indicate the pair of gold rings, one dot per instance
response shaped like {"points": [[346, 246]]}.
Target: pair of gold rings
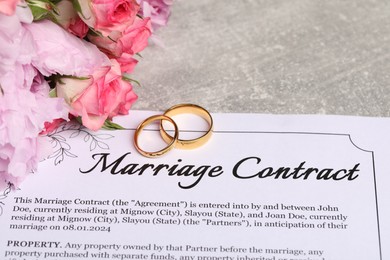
{"points": [[174, 141]]}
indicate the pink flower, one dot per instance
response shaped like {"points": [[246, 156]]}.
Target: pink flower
{"points": [[24, 101], [51, 126], [157, 10], [23, 113], [59, 52], [127, 62], [8, 7], [78, 28], [132, 40], [106, 16], [13, 37], [103, 95], [110, 45], [68, 18], [135, 38]]}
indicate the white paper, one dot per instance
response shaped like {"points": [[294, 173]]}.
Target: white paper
{"points": [[332, 202]]}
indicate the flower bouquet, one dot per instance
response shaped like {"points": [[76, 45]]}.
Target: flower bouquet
{"points": [[62, 60]]}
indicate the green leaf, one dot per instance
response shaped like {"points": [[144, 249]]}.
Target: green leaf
{"points": [[74, 77], [53, 93], [93, 32], [55, 1], [126, 77], [109, 125], [79, 120], [77, 7], [39, 13], [42, 9]]}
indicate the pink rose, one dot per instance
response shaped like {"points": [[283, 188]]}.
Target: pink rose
{"points": [[127, 62], [132, 40], [135, 38], [51, 126], [103, 95], [78, 28], [67, 17], [110, 45], [106, 16], [157, 10], [8, 7]]}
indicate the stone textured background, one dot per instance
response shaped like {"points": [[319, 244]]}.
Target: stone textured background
{"points": [[271, 56]]}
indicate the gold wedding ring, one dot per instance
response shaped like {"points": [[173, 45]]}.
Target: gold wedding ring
{"points": [[171, 143], [187, 109]]}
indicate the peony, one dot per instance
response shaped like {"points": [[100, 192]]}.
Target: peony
{"points": [[24, 99], [23, 111], [101, 96], [54, 44], [15, 43], [157, 10], [132, 40], [107, 16]]}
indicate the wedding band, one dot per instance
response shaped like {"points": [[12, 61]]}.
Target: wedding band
{"points": [[188, 109], [171, 143]]}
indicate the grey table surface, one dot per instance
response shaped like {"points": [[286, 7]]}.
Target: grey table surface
{"points": [[271, 56]]}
